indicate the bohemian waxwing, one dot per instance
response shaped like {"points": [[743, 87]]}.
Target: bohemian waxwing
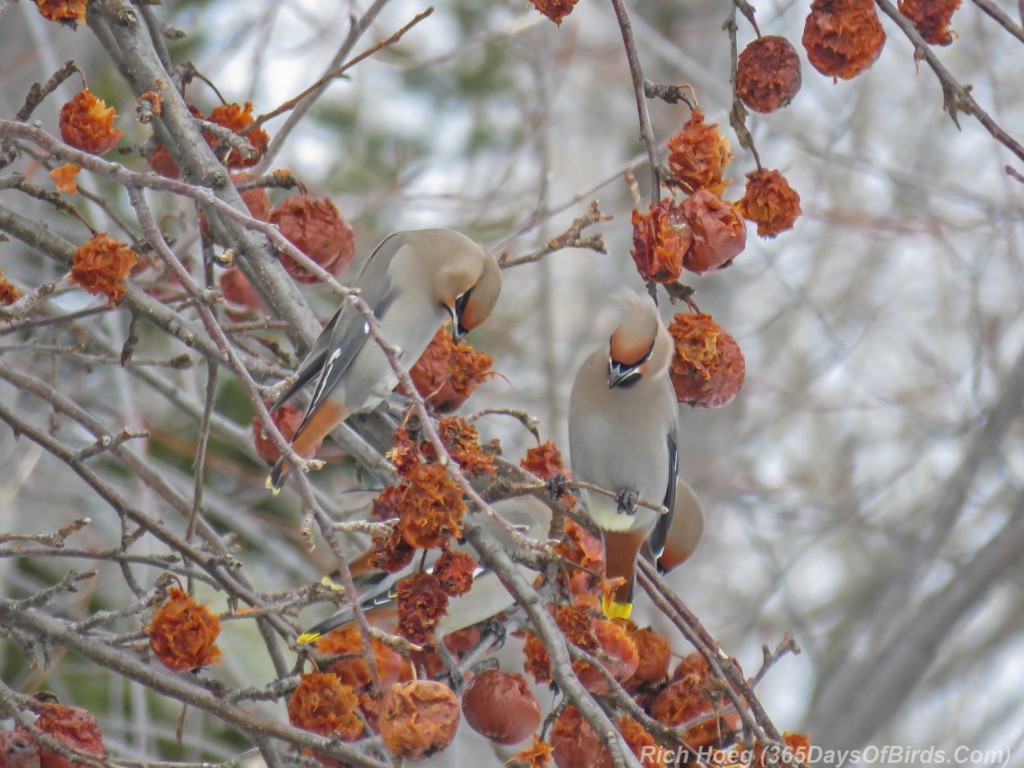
{"points": [[413, 281], [485, 599], [622, 438]]}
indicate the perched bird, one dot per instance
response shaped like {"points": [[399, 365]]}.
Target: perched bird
{"points": [[622, 437], [413, 281], [485, 599]]}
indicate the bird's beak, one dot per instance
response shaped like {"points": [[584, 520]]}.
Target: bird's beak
{"points": [[619, 374], [457, 330]]}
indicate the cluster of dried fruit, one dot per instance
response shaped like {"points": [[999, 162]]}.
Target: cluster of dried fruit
{"points": [[448, 373], [428, 505], [236, 118], [313, 225], [704, 233], [415, 718], [102, 263]]}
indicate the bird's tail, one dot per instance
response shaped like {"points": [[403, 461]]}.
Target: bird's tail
{"points": [[382, 604], [621, 549], [325, 626], [617, 606], [277, 476]]}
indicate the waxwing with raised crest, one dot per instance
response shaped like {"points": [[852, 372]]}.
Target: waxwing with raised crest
{"points": [[622, 438]]}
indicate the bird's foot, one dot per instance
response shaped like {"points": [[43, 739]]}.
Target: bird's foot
{"points": [[495, 627], [626, 499], [557, 485]]}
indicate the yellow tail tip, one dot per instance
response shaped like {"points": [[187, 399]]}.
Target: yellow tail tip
{"points": [[330, 583], [271, 486], [616, 610], [307, 637]]}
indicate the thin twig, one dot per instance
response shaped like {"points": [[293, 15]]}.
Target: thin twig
{"points": [[571, 238], [581, 485], [357, 29], [1000, 16], [639, 90], [738, 112], [737, 689], [338, 72], [956, 98], [55, 539]]}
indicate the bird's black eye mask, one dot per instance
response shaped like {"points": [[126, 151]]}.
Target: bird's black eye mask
{"points": [[625, 376], [460, 307]]}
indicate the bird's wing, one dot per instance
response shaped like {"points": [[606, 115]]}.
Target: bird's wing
{"points": [[312, 365], [659, 535], [348, 330]]}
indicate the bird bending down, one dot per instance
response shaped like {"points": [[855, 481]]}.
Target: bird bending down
{"points": [[486, 598], [622, 437], [413, 281]]}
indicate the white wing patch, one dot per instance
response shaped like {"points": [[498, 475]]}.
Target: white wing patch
{"points": [[324, 377]]}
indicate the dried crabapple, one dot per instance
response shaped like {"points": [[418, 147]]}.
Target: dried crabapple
{"points": [[392, 667], [101, 265], [73, 726], [661, 238], [287, 419], [843, 37], [707, 368], [418, 718], [238, 291], [9, 292], [698, 155], [769, 202], [87, 123], [183, 633], [501, 706], [324, 705], [556, 10], [447, 373], [768, 74], [72, 11], [315, 227], [931, 18]]}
